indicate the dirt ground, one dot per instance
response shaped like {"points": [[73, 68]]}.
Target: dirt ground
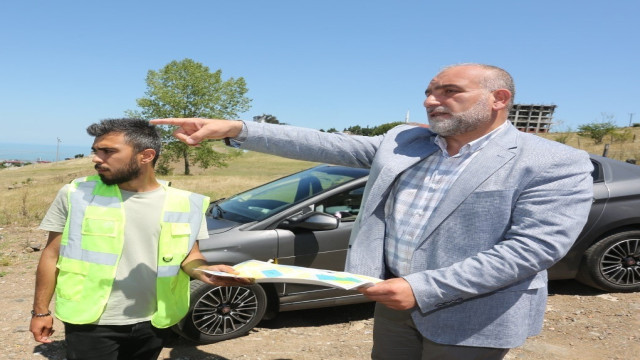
{"points": [[580, 323]]}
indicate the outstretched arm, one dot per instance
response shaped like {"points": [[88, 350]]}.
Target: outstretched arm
{"points": [[281, 140], [192, 131]]}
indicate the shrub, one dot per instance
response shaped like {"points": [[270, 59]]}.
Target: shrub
{"points": [[596, 131]]}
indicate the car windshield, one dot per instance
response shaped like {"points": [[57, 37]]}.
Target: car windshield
{"points": [[268, 199]]}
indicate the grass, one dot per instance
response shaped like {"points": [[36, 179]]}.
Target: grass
{"points": [[628, 148], [244, 171], [28, 191], [4, 261], [239, 176]]}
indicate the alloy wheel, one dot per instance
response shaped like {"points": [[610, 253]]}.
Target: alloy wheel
{"points": [[620, 263], [223, 310]]}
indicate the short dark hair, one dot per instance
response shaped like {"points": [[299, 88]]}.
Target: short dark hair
{"points": [[138, 133]]}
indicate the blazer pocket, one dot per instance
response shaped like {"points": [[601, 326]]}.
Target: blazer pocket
{"points": [[487, 211]]}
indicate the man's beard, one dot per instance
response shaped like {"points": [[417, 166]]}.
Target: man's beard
{"points": [[462, 122], [126, 173]]}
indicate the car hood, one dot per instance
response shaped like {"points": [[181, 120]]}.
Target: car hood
{"points": [[218, 226]]}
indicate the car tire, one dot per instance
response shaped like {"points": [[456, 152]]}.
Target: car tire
{"points": [[613, 263], [218, 313]]}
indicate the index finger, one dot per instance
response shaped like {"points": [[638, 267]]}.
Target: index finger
{"points": [[168, 121]]}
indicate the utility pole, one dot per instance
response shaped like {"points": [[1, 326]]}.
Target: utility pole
{"points": [[58, 149]]}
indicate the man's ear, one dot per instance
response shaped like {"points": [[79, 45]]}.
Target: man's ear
{"points": [[501, 99], [147, 156]]}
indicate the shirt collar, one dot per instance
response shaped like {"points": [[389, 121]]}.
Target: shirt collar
{"points": [[474, 145]]}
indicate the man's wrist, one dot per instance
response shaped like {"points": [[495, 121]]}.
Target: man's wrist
{"points": [[189, 267], [236, 129], [239, 138], [40, 314]]}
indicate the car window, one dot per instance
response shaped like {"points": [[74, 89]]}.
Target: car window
{"points": [[344, 205], [271, 198], [597, 172]]}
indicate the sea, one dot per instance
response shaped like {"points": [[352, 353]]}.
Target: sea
{"points": [[42, 152]]}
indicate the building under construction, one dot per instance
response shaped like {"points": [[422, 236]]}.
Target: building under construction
{"points": [[532, 118]]}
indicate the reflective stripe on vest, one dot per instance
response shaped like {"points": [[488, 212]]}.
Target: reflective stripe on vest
{"points": [[79, 200]]}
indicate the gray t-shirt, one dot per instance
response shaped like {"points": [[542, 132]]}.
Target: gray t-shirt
{"points": [[133, 295]]}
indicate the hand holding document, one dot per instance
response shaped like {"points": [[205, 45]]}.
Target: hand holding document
{"points": [[262, 271]]}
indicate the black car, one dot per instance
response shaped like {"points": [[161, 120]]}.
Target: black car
{"points": [[305, 220]]}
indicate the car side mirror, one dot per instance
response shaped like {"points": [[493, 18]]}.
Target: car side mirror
{"points": [[312, 221]]}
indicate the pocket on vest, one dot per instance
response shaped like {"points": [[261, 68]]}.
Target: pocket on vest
{"points": [[101, 235], [99, 227], [180, 233], [71, 278], [180, 229]]}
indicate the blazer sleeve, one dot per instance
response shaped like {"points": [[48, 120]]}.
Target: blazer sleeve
{"points": [[311, 145]]}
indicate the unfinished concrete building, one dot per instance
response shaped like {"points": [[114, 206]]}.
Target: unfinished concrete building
{"points": [[532, 118]]}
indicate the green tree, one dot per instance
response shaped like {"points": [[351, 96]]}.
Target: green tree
{"points": [[188, 89], [377, 130], [621, 136], [562, 138], [382, 129], [355, 130], [270, 119], [597, 131]]}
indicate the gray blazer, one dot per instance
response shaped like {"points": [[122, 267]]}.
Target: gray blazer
{"points": [[479, 275]]}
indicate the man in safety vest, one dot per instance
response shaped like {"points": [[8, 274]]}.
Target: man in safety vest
{"points": [[121, 250]]}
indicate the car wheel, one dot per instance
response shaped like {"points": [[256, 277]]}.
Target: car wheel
{"points": [[613, 263], [218, 313]]}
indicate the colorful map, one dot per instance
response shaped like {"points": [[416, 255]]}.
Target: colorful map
{"points": [[262, 271]]}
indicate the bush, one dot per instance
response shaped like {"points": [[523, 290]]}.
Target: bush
{"points": [[596, 131], [621, 136], [162, 166], [562, 138]]}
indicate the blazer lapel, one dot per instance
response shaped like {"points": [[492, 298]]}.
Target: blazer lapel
{"points": [[495, 154], [413, 152]]}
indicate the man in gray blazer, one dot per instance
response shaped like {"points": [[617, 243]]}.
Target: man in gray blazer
{"points": [[462, 219]]}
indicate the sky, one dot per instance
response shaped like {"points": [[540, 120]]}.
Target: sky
{"points": [[319, 64]]}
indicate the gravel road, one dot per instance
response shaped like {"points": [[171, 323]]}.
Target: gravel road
{"points": [[580, 323]]}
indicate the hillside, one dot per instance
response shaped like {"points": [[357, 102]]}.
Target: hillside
{"points": [[629, 148]]}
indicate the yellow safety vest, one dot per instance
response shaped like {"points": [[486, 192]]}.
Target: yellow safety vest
{"points": [[92, 243]]}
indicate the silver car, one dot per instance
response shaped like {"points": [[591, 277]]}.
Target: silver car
{"points": [[305, 219]]}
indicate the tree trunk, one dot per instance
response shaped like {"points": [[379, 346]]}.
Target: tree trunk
{"points": [[185, 155]]}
